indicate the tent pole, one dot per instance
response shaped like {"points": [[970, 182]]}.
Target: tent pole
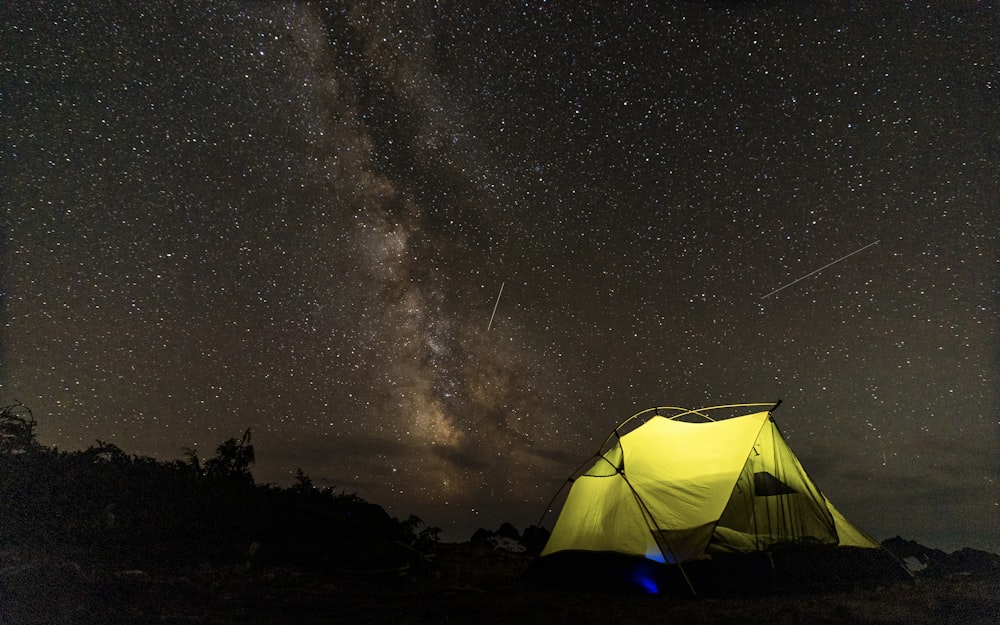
{"points": [[687, 580], [657, 537]]}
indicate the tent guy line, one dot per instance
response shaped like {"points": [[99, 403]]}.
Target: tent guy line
{"points": [[812, 273]]}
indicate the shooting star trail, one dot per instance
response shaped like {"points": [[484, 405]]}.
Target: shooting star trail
{"points": [[813, 273], [490, 325]]}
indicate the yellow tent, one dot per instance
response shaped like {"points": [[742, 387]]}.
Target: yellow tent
{"points": [[672, 491]]}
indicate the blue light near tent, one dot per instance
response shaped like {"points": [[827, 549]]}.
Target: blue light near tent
{"points": [[654, 554], [645, 581]]}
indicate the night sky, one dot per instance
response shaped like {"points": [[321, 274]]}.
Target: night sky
{"points": [[297, 217]]}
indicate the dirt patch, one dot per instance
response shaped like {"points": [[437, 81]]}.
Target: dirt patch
{"points": [[459, 584]]}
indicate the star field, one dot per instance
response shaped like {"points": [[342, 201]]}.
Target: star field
{"points": [[297, 217]]}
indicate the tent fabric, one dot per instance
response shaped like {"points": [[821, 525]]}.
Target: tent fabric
{"points": [[673, 491]]}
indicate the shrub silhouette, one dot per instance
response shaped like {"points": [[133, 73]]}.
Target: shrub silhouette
{"points": [[17, 429], [232, 460], [141, 512]]}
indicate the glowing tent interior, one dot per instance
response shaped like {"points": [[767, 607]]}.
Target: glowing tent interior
{"points": [[674, 491]]}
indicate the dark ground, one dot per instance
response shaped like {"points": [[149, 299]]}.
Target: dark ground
{"points": [[461, 584]]}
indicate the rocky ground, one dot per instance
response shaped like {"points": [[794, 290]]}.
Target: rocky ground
{"points": [[459, 584]]}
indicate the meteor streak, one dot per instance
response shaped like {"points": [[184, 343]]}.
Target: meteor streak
{"points": [[490, 324], [812, 273]]}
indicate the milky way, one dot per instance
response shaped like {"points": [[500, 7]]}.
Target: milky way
{"points": [[298, 217]]}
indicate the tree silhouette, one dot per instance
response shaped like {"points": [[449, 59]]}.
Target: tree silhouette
{"points": [[232, 460], [142, 512], [17, 428]]}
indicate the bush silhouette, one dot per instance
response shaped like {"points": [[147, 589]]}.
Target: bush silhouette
{"points": [[141, 512]]}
